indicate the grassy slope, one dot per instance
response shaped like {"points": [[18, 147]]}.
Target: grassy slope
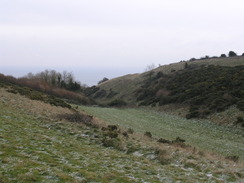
{"points": [[231, 62], [32, 150], [199, 133], [36, 147], [124, 86]]}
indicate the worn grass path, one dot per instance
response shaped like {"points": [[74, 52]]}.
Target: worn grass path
{"points": [[202, 134]]}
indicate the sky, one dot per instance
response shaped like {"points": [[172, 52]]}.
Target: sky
{"points": [[110, 38]]}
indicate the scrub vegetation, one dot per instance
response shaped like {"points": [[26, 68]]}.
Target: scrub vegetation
{"points": [[206, 90]]}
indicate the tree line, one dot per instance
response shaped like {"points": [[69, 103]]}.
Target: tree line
{"points": [[64, 80], [230, 54]]}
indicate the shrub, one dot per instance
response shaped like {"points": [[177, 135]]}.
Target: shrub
{"points": [[100, 93], [111, 142], [163, 156], [111, 134], [223, 55], [165, 100], [76, 117], [111, 94], [193, 112], [130, 131], [117, 103], [240, 105], [37, 96], [232, 54], [164, 141], [240, 121], [159, 75], [125, 134], [103, 80], [12, 91], [57, 102], [148, 134], [73, 97], [131, 147], [112, 131], [193, 59], [186, 65], [91, 90], [179, 140], [112, 127], [110, 139]]}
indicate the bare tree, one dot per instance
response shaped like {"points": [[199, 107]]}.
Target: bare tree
{"points": [[150, 67]]}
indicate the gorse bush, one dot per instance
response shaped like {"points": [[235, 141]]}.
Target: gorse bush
{"points": [[117, 103], [232, 54], [240, 105], [103, 80], [240, 121], [148, 134]]}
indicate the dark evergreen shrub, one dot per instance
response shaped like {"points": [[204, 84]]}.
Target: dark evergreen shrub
{"points": [[117, 103], [240, 105], [148, 134], [232, 54]]}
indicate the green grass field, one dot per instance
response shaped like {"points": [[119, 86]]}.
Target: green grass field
{"points": [[202, 134]]}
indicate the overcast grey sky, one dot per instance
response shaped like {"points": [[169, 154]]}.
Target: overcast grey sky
{"points": [[97, 38]]}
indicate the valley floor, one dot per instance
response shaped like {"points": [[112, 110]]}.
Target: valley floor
{"points": [[203, 134]]}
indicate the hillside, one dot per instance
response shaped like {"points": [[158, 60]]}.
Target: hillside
{"points": [[117, 88], [204, 87], [44, 142]]}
